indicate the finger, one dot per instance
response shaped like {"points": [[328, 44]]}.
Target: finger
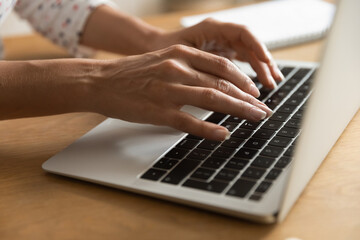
{"points": [[187, 123], [220, 67], [260, 50], [196, 78], [262, 70], [247, 38], [217, 101], [275, 71]]}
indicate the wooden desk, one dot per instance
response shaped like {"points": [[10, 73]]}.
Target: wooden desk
{"points": [[38, 205]]}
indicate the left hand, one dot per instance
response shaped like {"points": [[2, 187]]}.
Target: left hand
{"points": [[229, 40]]}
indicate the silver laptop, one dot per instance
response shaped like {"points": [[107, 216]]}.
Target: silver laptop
{"points": [[258, 173]]}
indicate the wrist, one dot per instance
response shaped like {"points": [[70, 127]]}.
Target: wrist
{"points": [[88, 84]]}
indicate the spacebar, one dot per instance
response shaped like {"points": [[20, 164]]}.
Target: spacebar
{"points": [[181, 171]]}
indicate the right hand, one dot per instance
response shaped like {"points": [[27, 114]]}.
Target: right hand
{"points": [[153, 87]]}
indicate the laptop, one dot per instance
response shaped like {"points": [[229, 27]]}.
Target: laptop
{"points": [[259, 173]]}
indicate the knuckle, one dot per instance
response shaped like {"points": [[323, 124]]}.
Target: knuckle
{"points": [[250, 99], [225, 64], [223, 85], [170, 67], [210, 95], [169, 64], [178, 49], [210, 20], [244, 28]]}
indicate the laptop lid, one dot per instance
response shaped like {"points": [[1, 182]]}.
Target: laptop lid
{"points": [[334, 102]]}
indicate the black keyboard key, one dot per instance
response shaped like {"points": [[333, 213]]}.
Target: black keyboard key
{"points": [[181, 171], [262, 162], [254, 173], [242, 133], [165, 163], [237, 164], [286, 70], [216, 117], [153, 174], [213, 186], [289, 152], [246, 153], [293, 123], [189, 136], [305, 88], [287, 87], [278, 116], [280, 141], [301, 73], [234, 119], [288, 132], [209, 145], [233, 142], [286, 109], [272, 125], [241, 188], [263, 187], [213, 162], [223, 152], [271, 151], [279, 95], [255, 197], [226, 175], [229, 125], [295, 101], [177, 153], [273, 101], [300, 94], [203, 173], [250, 125], [187, 143], [292, 82], [298, 114], [255, 143], [199, 154], [264, 92], [283, 162], [273, 174], [264, 133]]}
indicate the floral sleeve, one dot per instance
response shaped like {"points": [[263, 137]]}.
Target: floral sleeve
{"points": [[62, 21]]}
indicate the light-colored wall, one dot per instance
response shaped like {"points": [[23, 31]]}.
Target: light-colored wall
{"points": [[13, 25]]}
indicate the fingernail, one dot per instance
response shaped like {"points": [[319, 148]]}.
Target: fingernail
{"points": [[255, 91], [280, 74], [222, 134], [265, 108], [273, 83], [257, 113], [227, 136]]}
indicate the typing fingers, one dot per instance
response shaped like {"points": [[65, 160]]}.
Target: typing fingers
{"points": [[215, 65], [214, 100]]}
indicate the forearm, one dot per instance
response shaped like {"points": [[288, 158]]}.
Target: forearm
{"points": [[38, 88], [113, 31]]}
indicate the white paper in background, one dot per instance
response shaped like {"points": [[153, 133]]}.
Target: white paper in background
{"points": [[278, 23]]}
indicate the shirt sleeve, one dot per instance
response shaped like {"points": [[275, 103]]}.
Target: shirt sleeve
{"points": [[61, 21]]}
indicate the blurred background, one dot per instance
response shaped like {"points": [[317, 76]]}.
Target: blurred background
{"points": [[142, 8]]}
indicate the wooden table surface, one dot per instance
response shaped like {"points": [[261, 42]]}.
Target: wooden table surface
{"points": [[38, 205]]}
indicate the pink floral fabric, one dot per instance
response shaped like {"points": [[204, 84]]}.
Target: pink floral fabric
{"points": [[62, 21]]}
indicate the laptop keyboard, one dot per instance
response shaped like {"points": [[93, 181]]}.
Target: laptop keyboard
{"points": [[246, 165]]}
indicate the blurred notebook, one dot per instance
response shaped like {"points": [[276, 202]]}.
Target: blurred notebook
{"points": [[278, 23]]}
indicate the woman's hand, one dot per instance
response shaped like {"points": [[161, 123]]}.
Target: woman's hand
{"points": [[152, 88], [229, 40]]}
